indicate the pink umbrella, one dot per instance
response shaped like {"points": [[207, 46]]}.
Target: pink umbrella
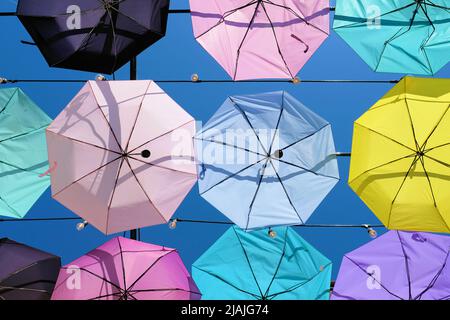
{"points": [[124, 269], [122, 153], [255, 39]]}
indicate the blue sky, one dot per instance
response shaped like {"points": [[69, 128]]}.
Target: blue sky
{"points": [[177, 56]]}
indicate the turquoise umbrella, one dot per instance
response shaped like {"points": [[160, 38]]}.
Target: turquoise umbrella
{"points": [[252, 265], [401, 36], [23, 153]]}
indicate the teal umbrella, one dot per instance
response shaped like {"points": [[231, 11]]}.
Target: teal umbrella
{"points": [[401, 36], [253, 265], [23, 153]]}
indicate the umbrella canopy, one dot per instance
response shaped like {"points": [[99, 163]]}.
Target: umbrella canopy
{"points": [[402, 36], [254, 39], [125, 148], [23, 153], [397, 266], [266, 160], [124, 269], [93, 35], [251, 265], [400, 165], [26, 273]]}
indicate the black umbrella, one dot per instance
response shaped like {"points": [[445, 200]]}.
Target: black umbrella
{"points": [[26, 273], [93, 35]]}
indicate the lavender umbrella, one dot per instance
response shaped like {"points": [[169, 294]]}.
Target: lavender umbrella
{"points": [[26, 273], [397, 266]]}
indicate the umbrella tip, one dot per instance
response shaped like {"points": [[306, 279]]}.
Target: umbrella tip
{"points": [[146, 153]]}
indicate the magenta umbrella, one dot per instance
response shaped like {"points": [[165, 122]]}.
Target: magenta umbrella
{"points": [[125, 269], [256, 39]]}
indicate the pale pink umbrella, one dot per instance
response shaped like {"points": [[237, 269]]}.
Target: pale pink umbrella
{"points": [[123, 155], [254, 39], [125, 269]]}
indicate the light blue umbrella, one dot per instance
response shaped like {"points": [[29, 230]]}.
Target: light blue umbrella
{"points": [[251, 265], [266, 160], [23, 153], [401, 36]]}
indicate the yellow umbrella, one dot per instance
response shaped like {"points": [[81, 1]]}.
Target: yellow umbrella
{"points": [[400, 164]]}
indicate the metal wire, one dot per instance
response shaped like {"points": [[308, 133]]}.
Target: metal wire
{"points": [[329, 81]]}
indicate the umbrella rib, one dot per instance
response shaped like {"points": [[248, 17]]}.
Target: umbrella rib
{"points": [[102, 166], [424, 10], [278, 124], [391, 139], [295, 287], [97, 276], [382, 165], [256, 192], [9, 100], [82, 44], [149, 268], [143, 190], [24, 133], [226, 15], [165, 289], [434, 280], [161, 167], [422, 161], [285, 192], [371, 276], [106, 120], [248, 262], [304, 138], [87, 143], [411, 122], [123, 264], [405, 256], [276, 40], [278, 265], [13, 211], [398, 34], [24, 169], [116, 295], [137, 22], [6, 289], [429, 181], [434, 128], [244, 115], [438, 161], [243, 39], [437, 147], [232, 175], [255, 296], [432, 4], [230, 145], [416, 158], [297, 15], [307, 170], [114, 37], [137, 116], [160, 136], [381, 15]]}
